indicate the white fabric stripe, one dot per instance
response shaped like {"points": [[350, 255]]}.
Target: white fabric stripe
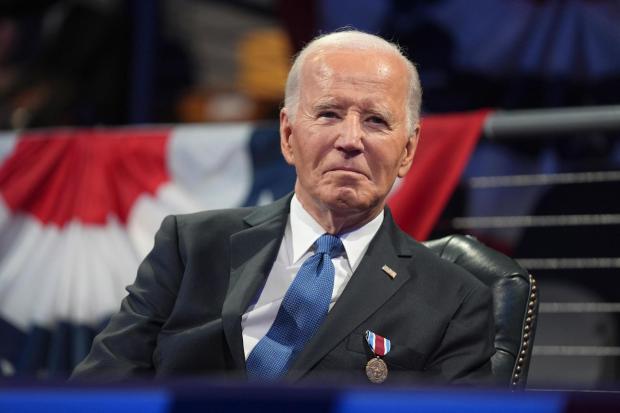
{"points": [[77, 273], [569, 263], [592, 351], [148, 212], [535, 221], [543, 179], [7, 144], [210, 167], [579, 308], [6, 221], [212, 162]]}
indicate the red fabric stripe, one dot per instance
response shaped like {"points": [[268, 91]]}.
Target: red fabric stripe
{"points": [[85, 174], [445, 145], [379, 345]]}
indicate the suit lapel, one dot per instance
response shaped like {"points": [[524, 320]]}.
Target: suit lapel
{"points": [[253, 252], [369, 288]]}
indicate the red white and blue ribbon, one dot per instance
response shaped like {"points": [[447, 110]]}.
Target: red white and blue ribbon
{"points": [[380, 346]]}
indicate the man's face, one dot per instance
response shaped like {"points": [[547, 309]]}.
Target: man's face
{"points": [[349, 138]]}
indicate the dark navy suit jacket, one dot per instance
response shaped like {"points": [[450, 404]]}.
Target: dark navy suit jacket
{"points": [[182, 316]]}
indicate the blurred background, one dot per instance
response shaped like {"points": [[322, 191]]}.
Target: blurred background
{"points": [[111, 62], [549, 197]]}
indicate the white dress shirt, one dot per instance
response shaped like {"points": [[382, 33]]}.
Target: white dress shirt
{"points": [[299, 236]]}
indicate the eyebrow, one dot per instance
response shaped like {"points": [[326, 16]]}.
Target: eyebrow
{"points": [[367, 105], [378, 109], [326, 103]]}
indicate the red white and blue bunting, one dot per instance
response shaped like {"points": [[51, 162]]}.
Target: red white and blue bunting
{"points": [[79, 208]]}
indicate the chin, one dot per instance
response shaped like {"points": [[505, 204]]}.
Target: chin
{"points": [[348, 199]]}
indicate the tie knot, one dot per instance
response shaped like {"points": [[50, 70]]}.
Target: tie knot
{"points": [[329, 244]]}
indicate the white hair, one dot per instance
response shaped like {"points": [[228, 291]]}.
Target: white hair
{"points": [[352, 40]]}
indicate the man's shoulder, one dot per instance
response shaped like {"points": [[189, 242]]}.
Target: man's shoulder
{"points": [[219, 217], [216, 221], [233, 219]]}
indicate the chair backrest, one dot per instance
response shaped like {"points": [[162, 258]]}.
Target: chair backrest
{"points": [[515, 302]]}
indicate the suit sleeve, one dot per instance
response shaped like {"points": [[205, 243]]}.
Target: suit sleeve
{"points": [[464, 355], [125, 347]]}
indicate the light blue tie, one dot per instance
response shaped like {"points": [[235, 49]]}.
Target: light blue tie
{"points": [[301, 313]]}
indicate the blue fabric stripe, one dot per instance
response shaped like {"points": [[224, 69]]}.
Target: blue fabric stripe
{"points": [[44, 352]]}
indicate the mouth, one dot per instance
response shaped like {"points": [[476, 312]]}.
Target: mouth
{"points": [[346, 170]]}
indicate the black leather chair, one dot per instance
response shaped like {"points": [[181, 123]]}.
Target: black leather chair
{"points": [[515, 302]]}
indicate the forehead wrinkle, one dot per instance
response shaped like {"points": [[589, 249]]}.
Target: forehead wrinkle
{"points": [[327, 101], [375, 106], [365, 104]]}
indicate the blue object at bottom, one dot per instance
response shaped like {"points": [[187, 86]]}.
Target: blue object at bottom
{"points": [[79, 401], [441, 402]]}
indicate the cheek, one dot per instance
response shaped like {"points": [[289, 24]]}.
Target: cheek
{"points": [[385, 169], [307, 161], [311, 152]]}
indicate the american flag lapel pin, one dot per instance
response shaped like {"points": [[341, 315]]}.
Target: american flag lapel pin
{"points": [[389, 271]]}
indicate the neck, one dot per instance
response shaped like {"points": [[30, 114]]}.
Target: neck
{"points": [[338, 220]]}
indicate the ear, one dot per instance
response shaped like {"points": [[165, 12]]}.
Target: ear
{"points": [[409, 151], [286, 133]]}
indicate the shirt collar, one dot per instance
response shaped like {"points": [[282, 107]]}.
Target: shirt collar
{"points": [[305, 231]]}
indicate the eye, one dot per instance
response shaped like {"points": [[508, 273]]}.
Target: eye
{"points": [[329, 114], [376, 120]]}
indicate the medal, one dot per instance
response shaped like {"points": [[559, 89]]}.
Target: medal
{"points": [[376, 369]]}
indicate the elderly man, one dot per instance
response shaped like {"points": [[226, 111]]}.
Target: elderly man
{"points": [[321, 283]]}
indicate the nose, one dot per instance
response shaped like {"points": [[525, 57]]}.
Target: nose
{"points": [[351, 136]]}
